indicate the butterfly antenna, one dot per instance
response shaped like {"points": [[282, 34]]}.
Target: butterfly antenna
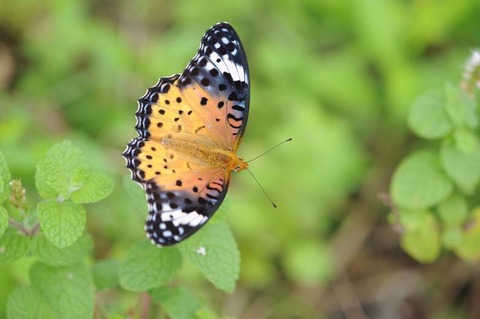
{"points": [[261, 187], [270, 149]]}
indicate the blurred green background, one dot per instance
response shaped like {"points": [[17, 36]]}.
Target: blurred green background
{"points": [[336, 76]]}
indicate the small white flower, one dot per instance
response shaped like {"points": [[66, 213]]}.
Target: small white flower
{"points": [[471, 75]]}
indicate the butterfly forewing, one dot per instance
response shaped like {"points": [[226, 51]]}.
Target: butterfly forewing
{"points": [[206, 107], [218, 76]]}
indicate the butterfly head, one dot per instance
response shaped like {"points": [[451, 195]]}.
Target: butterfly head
{"points": [[240, 165]]}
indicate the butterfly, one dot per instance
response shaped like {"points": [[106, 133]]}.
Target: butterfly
{"points": [[189, 127]]}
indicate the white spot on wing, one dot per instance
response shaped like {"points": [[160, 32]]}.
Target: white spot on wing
{"points": [[225, 65], [192, 219]]}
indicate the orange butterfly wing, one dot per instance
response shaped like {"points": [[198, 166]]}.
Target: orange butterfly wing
{"points": [[189, 127]]}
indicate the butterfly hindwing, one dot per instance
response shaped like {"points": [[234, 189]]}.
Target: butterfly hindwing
{"points": [[180, 204]]}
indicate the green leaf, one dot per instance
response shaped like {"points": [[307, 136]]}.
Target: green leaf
{"points": [[62, 222], [26, 303], [58, 174], [466, 140], [105, 274], [452, 238], [222, 212], [178, 302], [3, 220], [214, 252], [12, 246], [460, 108], [51, 255], [453, 212], [68, 290], [427, 117], [135, 193], [95, 187], [418, 182], [147, 266], [421, 238], [469, 249], [463, 168], [4, 179]]}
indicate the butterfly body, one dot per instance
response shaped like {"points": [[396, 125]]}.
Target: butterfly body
{"points": [[190, 126]]}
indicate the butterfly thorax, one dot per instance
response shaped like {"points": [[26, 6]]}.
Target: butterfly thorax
{"points": [[206, 154]]}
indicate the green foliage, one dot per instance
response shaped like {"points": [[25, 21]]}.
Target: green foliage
{"points": [[146, 266], [60, 172], [179, 302], [50, 254], [421, 238], [419, 182], [63, 174], [428, 118], [68, 290], [461, 166], [444, 180], [61, 284], [105, 274], [12, 246], [62, 222], [95, 187], [37, 307], [214, 252]]}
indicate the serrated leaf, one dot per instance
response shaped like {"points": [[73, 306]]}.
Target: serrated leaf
{"points": [[57, 174], [62, 222], [147, 266], [94, 187], [421, 238], [453, 212], [419, 183], [214, 252], [51, 255], [427, 116], [3, 220], [68, 290], [12, 246], [26, 303], [178, 302], [463, 168], [460, 108], [105, 274], [4, 179]]}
